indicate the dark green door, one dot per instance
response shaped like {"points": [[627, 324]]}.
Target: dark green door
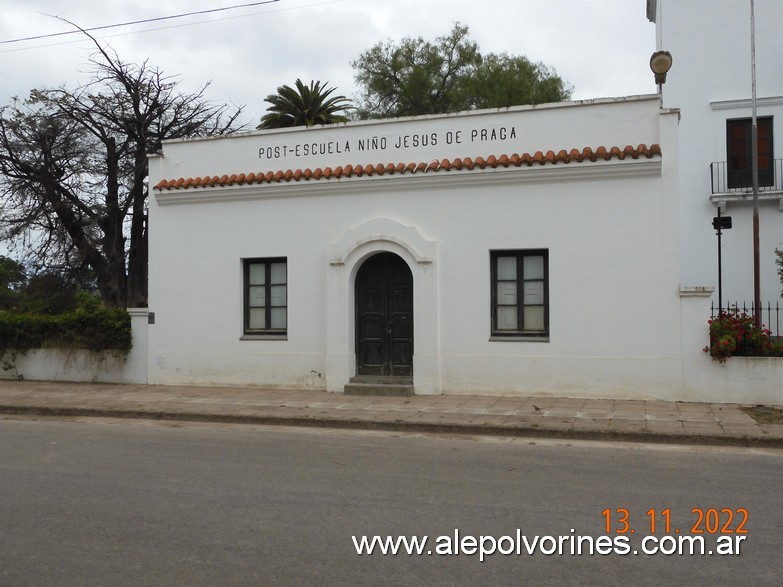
{"points": [[384, 317]]}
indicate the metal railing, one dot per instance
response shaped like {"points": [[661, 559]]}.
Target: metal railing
{"points": [[770, 180], [770, 314]]}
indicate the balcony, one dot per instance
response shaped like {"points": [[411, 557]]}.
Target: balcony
{"points": [[737, 187]]}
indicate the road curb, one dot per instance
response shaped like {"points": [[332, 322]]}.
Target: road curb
{"points": [[402, 426]]}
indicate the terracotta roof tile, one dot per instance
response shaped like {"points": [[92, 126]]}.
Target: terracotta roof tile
{"points": [[504, 160]]}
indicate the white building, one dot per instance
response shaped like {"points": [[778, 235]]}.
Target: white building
{"points": [[562, 249], [710, 83], [533, 250]]}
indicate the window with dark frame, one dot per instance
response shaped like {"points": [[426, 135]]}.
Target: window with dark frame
{"points": [[266, 296], [739, 155], [520, 292]]}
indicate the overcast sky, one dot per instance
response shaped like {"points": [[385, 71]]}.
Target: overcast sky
{"points": [[601, 47]]}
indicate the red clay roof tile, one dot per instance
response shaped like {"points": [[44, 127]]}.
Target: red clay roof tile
{"points": [[516, 160]]}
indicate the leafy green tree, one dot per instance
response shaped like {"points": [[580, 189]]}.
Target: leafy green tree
{"points": [[418, 77], [12, 280], [779, 263], [304, 106], [507, 80], [48, 293], [44, 292]]}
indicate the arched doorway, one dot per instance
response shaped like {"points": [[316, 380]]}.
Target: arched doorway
{"points": [[384, 317]]}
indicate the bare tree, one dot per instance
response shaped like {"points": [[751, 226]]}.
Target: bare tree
{"points": [[73, 168]]}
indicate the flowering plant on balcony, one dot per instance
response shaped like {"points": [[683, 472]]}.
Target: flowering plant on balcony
{"points": [[779, 263], [734, 333]]}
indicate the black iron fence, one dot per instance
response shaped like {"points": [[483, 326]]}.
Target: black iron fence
{"points": [[770, 314], [724, 180]]}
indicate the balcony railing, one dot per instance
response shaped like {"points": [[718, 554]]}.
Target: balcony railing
{"points": [[770, 180]]}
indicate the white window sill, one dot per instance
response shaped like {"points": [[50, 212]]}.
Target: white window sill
{"points": [[271, 336], [519, 338]]}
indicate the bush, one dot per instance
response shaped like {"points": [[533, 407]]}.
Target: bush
{"points": [[734, 333], [95, 329]]}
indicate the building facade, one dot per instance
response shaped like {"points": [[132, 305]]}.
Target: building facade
{"points": [[561, 249], [529, 250]]}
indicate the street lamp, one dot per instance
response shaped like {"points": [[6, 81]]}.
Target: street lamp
{"points": [[660, 64]]}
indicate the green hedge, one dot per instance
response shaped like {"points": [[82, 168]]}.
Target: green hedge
{"points": [[96, 329]]}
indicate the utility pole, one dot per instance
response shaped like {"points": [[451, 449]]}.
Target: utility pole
{"points": [[755, 164]]}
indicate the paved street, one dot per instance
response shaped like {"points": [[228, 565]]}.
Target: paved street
{"points": [[131, 502]]}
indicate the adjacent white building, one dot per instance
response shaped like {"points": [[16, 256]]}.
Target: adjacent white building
{"points": [[710, 83]]}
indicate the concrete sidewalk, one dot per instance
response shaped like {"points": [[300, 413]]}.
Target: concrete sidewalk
{"points": [[628, 420]]}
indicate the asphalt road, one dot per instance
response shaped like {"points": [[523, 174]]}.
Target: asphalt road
{"points": [[142, 503]]}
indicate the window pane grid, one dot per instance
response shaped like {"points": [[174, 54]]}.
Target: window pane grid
{"points": [[266, 296], [519, 292]]}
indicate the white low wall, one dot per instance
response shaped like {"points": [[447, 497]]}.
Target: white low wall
{"points": [[745, 380], [85, 366], [696, 377]]}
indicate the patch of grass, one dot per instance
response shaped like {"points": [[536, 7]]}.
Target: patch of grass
{"points": [[765, 414]]}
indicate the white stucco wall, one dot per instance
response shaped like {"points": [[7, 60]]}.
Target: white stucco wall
{"points": [[755, 380], [609, 227], [607, 122], [81, 365]]}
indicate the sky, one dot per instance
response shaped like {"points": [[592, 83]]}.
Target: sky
{"points": [[601, 47]]}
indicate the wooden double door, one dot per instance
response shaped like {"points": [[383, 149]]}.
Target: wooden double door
{"points": [[384, 317]]}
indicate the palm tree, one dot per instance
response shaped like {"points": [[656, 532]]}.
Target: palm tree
{"points": [[304, 106]]}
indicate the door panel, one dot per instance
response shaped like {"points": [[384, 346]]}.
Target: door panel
{"points": [[384, 317]]}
